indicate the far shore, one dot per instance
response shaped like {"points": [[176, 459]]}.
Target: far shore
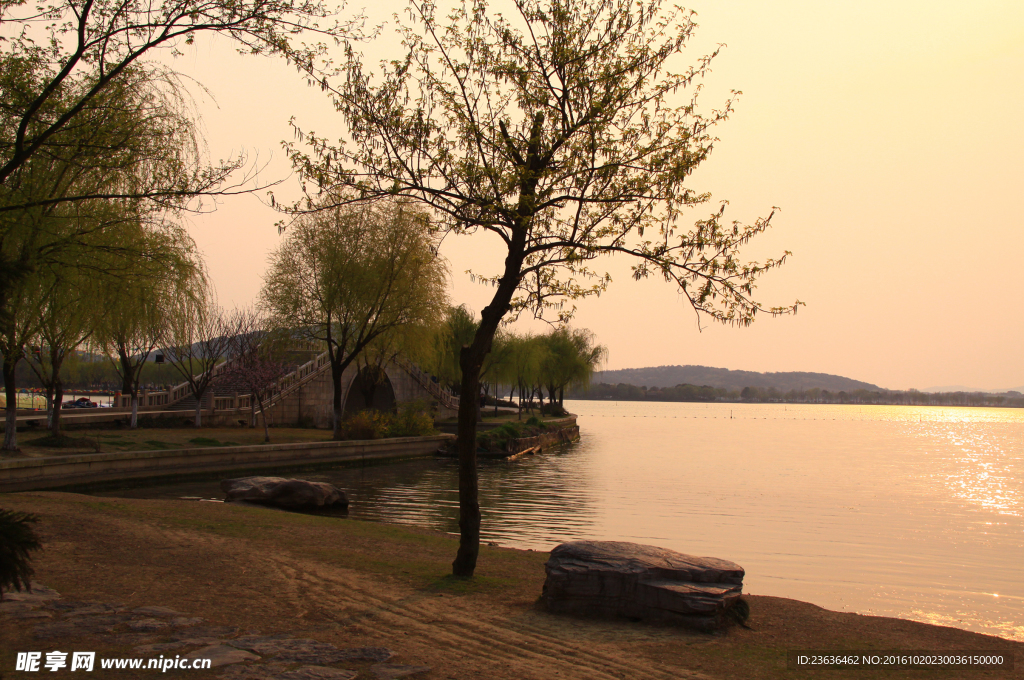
{"points": [[354, 583]]}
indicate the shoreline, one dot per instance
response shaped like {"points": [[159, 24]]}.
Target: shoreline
{"points": [[359, 583]]}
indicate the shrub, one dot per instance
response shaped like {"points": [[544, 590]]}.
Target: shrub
{"points": [[364, 425], [553, 410], [17, 540], [412, 420], [534, 421]]}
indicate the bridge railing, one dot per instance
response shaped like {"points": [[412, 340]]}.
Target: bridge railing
{"points": [[307, 372], [444, 396]]}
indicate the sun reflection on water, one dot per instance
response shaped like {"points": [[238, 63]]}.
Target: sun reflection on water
{"points": [[978, 467]]}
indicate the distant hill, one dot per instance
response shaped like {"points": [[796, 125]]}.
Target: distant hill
{"points": [[670, 376]]}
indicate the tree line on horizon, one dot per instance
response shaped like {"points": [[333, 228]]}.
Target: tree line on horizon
{"points": [[816, 395]]}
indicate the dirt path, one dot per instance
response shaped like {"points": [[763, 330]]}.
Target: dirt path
{"points": [[356, 584]]}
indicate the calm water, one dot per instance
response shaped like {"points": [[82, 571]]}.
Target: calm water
{"points": [[915, 512]]}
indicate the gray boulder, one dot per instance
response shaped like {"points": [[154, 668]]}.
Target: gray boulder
{"points": [[613, 578], [290, 494]]}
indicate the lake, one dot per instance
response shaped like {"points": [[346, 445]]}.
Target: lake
{"points": [[914, 512]]}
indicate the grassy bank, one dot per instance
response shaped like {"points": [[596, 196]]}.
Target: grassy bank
{"points": [[355, 583]]}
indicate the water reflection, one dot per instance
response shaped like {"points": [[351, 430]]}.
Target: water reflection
{"points": [[915, 512]]}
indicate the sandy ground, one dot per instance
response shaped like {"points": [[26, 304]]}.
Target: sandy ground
{"points": [[354, 583]]}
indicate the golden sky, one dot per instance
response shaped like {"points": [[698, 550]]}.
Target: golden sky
{"points": [[890, 134]]}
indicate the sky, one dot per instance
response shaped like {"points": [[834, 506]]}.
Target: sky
{"points": [[889, 135]]}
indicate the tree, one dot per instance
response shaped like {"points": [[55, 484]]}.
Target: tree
{"points": [[571, 357], [196, 338], [347, 276], [454, 333], [523, 367], [17, 328], [557, 131], [134, 137], [136, 306], [67, 319], [85, 47], [254, 361]]}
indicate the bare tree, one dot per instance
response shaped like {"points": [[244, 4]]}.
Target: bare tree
{"points": [[197, 337], [563, 131], [254, 361]]}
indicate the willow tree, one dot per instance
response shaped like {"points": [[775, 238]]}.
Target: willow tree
{"points": [[67, 318], [59, 57], [563, 131], [347, 276], [136, 137], [570, 357], [456, 332], [137, 304], [17, 328]]}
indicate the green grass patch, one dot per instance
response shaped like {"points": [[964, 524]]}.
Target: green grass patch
{"points": [[205, 441], [157, 444]]}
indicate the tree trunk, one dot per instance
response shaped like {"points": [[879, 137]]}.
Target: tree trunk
{"points": [[336, 372], [266, 427], [58, 408], [199, 411], [471, 358], [471, 361], [469, 495], [134, 423], [11, 421]]}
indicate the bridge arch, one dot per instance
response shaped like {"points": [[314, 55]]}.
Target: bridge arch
{"points": [[369, 388]]}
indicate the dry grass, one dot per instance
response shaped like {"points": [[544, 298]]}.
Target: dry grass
{"points": [[356, 583]]}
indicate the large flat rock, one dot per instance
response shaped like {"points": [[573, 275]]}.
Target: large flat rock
{"points": [[614, 578], [290, 494]]}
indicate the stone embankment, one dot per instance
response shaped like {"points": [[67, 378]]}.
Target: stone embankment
{"points": [[524, 446], [55, 472], [555, 433]]}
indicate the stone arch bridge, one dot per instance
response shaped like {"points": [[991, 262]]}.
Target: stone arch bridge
{"points": [[305, 395]]}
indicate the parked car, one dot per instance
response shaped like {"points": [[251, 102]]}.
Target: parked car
{"points": [[81, 402]]}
